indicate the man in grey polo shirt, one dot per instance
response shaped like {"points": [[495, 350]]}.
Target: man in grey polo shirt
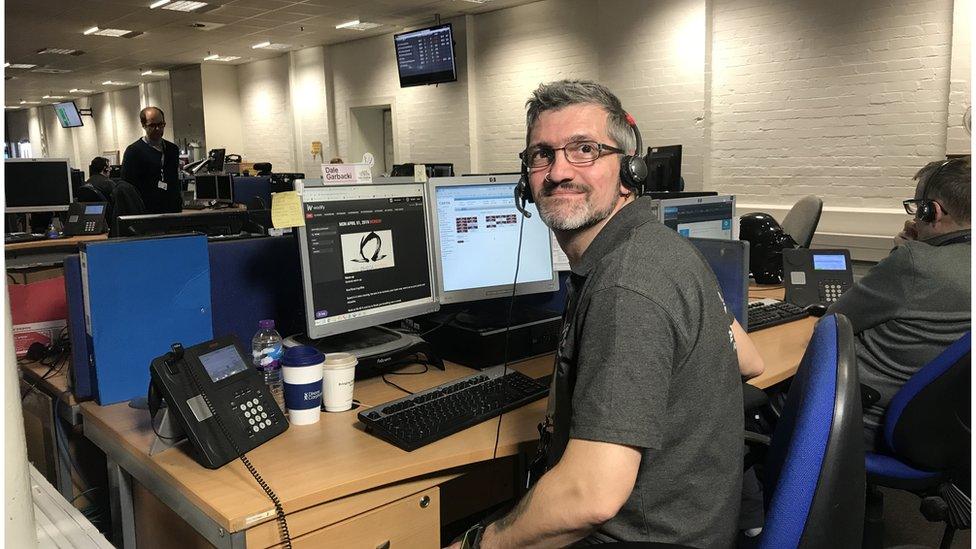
{"points": [[647, 410]]}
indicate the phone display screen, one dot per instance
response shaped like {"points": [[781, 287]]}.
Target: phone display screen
{"points": [[91, 209], [223, 363], [829, 262]]}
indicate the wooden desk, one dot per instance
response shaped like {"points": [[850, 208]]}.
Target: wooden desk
{"points": [[335, 481], [323, 474], [52, 242], [781, 347]]}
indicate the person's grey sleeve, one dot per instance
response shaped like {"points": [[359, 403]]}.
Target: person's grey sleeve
{"points": [[881, 293], [627, 351]]}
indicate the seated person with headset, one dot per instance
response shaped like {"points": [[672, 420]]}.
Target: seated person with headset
{"points": [[916, 302], [122, 197], [643, 436]]}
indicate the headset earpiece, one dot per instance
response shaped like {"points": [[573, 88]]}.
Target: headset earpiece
{"points": [[523, 194], [633, 169], [926, 211]]}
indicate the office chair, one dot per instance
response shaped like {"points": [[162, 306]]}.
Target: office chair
{"points": [[927, 432], [814, 467], [802, 220]]}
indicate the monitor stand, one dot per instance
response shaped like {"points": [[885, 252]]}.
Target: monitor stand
{"points": [[378, 349]]}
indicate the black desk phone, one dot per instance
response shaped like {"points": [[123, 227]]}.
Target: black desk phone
{"points": [[86, 218], [217, 398], [816, 276]]}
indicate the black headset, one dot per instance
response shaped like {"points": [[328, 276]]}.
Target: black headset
{"points": [[926, 208], [633, 172]]}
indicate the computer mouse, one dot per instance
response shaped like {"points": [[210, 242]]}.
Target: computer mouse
{"points": [[816, 309]]}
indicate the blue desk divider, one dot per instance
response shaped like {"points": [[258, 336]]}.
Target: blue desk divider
{"points": [[140, 296], [254, 279]]}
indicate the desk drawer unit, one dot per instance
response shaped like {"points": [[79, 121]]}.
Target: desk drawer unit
{"points": [[412, 522]]}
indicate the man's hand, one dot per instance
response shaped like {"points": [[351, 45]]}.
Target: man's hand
{"points": [[908, 232]]}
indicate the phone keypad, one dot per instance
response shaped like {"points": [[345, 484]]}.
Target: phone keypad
{"points": [[250, 411], [89, 226], [831, 290]]}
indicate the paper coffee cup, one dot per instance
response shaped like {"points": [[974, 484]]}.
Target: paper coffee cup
{"points": [[339, 373], [301, 369]]}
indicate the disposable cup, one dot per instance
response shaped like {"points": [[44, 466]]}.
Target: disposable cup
{"points": [[339, 373]]}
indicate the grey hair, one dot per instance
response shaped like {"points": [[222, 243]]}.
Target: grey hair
{"points": [[949, 182], [563, 93]]}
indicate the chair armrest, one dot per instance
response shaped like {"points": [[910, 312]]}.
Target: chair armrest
{"points": [[753, 398], [869, 396], [755, 439]]}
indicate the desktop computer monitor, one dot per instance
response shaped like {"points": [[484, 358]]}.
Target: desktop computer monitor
{"points": [[214, 187], [215, 160], [700, 217], [476, 237], [365, 255], [37, 185], [663, 168], [729, 260]]}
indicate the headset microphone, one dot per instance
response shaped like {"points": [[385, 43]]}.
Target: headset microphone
{"points": [[521, 193]]}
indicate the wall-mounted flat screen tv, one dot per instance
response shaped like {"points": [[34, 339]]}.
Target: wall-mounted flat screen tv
{"points": [[426, 56], [68, 114]]}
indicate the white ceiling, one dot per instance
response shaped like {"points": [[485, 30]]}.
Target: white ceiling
{"points": [[169, 40]]}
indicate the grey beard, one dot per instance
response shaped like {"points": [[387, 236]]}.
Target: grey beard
{"points": [[576, 220]]}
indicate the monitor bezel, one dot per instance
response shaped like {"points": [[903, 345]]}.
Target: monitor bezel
{"points": [[81, 123], [42, 208], [486, 292], [428, 80], [714, 199], [368, 320]]}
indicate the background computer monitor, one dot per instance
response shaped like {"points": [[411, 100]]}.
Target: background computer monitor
{"points": [[215, 160], [366, 255], [729, 260], [68, 115], [700, 217], [225, 222], [37, 184], [476, 238], [663, 168], [214, 187]]}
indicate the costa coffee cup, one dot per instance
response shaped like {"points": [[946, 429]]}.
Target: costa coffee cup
{"points": [[339, 373], [301, 369]]}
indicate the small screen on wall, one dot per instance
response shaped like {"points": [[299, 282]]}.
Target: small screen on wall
{"points": [[68, 114], [426, 56]]}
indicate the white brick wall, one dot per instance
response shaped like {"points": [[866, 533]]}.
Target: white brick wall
{"points": [[845, 100], [960, 79], [266, 104]]}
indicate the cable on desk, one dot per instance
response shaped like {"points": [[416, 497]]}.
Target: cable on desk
{"points": [[406, 362], [442, 323]]}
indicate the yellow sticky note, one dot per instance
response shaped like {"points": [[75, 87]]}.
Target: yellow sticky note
{"points": [[419, 173], [286, 210]]}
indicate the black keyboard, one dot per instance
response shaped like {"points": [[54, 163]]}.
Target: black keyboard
{"points": [[15, 238], [765, 314], [428, 416]]}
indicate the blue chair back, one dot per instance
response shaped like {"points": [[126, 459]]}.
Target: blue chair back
{"points": [[814, 470], [927, 423]]}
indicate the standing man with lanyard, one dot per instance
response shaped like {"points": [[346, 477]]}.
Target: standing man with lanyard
{"points": [[151, 165], [646, 408]]}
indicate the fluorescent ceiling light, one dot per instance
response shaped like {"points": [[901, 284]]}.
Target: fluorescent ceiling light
{"points": [[55, 97], [348, 24], [215, 57], [145, 73], [22, 102], [261, 45], [48, 70], [11, 107], [158, 3], [114, 33], [91, 30], [5, 65], [478, 1], [78, 90], [183, 5], [113, 83], [19, 66], [357, 25], [59, 51]]}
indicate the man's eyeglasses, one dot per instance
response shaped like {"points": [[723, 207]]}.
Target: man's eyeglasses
{"points": [[577, 153], [912, 205], [155, 126]]}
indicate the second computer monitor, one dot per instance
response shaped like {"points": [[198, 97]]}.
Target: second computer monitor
{"points": [[365, 255], [477, 236], [214, 187], [37, 184], [701, 216]]}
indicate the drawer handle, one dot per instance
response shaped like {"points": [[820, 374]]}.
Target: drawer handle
{"points": [[424, 502], [384, 545]]}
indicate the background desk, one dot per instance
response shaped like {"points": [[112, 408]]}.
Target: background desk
{"points": [[339, 486]]}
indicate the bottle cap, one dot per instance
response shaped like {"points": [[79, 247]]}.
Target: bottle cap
{"points": [[266, 324]]}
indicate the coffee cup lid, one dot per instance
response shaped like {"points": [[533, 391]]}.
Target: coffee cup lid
{"points": [[339, 360], [301, 355]]}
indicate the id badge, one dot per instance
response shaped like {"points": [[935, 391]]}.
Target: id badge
{"points": [[162, 185]]}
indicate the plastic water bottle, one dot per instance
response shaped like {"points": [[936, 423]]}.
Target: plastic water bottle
{"points": [[266, 351]]}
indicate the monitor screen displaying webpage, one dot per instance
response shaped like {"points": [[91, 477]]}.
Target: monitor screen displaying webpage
{"points": [[700, 216], [477, 237], [365, 255]]}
